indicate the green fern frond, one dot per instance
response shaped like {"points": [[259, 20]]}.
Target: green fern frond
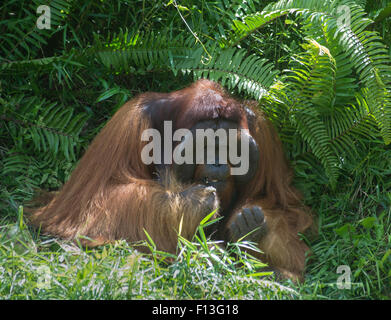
{"points": [[138, 53], [313, 131], [49, 128], [351, 127], [363, 48], [46, 65], [22, 39], [313, 101], [345, 83], [233, 68], [299, 101]]}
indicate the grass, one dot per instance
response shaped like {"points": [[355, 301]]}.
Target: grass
{"points": [[41, 267], [361, 243], [48, 268]]}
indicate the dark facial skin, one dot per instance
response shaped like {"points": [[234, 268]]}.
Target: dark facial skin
{"points": [[218, 174]]}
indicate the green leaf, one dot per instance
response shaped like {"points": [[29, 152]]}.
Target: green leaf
{"points": [[368, 222], [346, 230], [107, 94], [384, 13]]}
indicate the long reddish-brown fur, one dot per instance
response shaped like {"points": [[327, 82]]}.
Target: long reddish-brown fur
{"points": [[112, 194]]}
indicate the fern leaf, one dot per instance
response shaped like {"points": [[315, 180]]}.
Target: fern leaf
{"points": [[363, 48]]}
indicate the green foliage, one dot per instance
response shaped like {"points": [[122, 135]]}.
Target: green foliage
{"points": [[323, 79], [370, 265], [20, 39], [233, 68], [305, 94], [39, 124], [58, 269], [366, 52]]}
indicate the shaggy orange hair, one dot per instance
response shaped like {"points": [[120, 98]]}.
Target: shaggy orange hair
{"points": [[113, 195]]}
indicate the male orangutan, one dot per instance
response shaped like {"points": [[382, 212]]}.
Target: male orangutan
{"points": [[113, 194]]}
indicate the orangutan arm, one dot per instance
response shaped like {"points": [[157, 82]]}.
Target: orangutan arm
{"points": [[275, 231], [159, 212]]}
